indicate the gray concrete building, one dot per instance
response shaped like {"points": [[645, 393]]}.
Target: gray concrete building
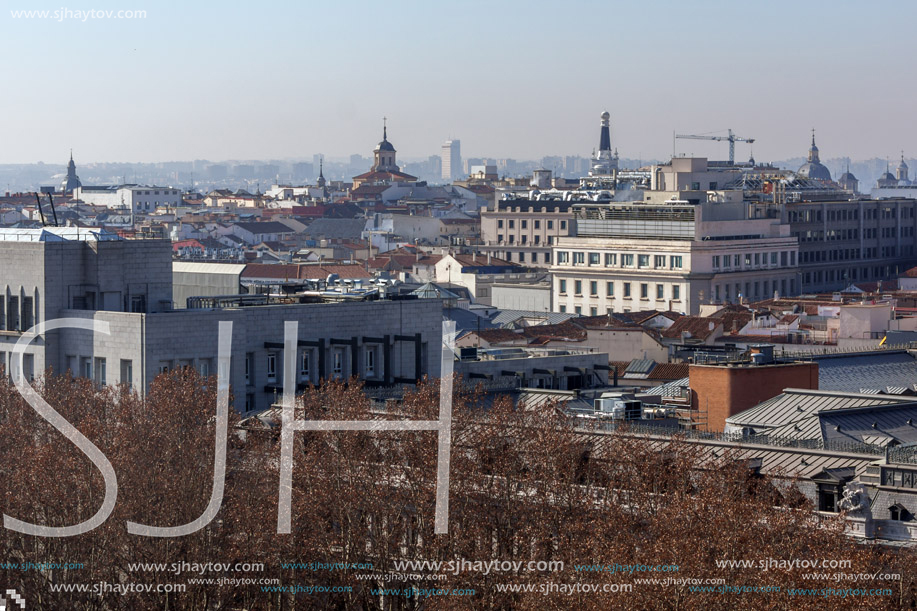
{"points": [[96, 276]]}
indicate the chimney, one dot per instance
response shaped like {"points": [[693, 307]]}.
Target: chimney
{"points": [[488, 257], [474, 256]]}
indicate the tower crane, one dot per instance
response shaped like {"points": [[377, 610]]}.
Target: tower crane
{"points": [[731, 139]]}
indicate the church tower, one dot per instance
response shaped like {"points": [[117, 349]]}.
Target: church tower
{"points": [[72, 181], [901, 171], [384, 153]]}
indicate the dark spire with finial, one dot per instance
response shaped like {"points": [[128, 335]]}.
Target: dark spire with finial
{"points": [[321, 175]]}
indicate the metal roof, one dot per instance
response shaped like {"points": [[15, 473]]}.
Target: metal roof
{"points": [[670, 389], [505, 317], [872, 370], [795, 404]]}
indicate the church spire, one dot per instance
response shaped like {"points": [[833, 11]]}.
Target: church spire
{"points": [[321, 176]]}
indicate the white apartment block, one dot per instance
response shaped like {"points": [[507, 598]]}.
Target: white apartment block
{"points": [[634, 256], [139, 198]]}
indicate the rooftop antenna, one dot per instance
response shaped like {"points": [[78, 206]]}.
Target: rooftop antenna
{"points": [[53, 211], [40, 211]]}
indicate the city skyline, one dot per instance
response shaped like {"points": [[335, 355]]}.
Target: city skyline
{"points": [[130, 97]]}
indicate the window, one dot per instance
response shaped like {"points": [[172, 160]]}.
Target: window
{"points": [[563, 309], [579, 258], [610, 289], [271, 367], [578, 309], [203, 367], [512, 224], [627, 260], [593, 311], [550, 224], [593, 258], [676, 292], [644, 290], [727, 261], [2, 313], [563, 224], [593, 288], [537, 239], [774, 258], [500, 224], [659, 261], [660, 291], [339, 362], [747, 260], [643, 260], [87, 368], [578, 287], [101, 373], [127, 372], [757, 259], [28, 320], [523, 238], [28, 366], [164, 367], [499, 238], [370, 362], [675, 261], [627, 289], [611, 258], [512, 239], [304, 365], [716, 261], [563, 286], [12, 314], [563, 257], [537, 224], [695, 186], [524, 224], [249, 367], [547, 257]]}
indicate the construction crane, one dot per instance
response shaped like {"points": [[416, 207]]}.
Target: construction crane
{"points": [[731, 139]]}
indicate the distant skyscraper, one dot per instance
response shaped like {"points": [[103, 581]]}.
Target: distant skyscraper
{"points": [[452, 159]]}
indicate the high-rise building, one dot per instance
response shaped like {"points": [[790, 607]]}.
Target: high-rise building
{"points": [[452, 159]]}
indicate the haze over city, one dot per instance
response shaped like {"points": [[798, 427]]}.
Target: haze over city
{"points": [[286, 80]]}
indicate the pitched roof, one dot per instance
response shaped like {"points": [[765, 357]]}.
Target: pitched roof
{"points": [[795, 404], [697, 327]]}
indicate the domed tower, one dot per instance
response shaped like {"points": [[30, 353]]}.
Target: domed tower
{"points": [[848, 181], [813, 168], [887, 179], [604, 163], [384, 154], [901, 171], [72, 181]]}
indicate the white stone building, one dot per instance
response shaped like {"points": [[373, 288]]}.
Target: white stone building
{"points": [[673, 256]]}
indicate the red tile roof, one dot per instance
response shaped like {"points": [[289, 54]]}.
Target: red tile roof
{"points": [[668, 371], [697, 327]]}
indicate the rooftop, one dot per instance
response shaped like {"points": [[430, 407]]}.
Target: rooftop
{"points": [[58, 234]]}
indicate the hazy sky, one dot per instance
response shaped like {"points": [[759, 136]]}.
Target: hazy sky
{"points": [[282, 79]]}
